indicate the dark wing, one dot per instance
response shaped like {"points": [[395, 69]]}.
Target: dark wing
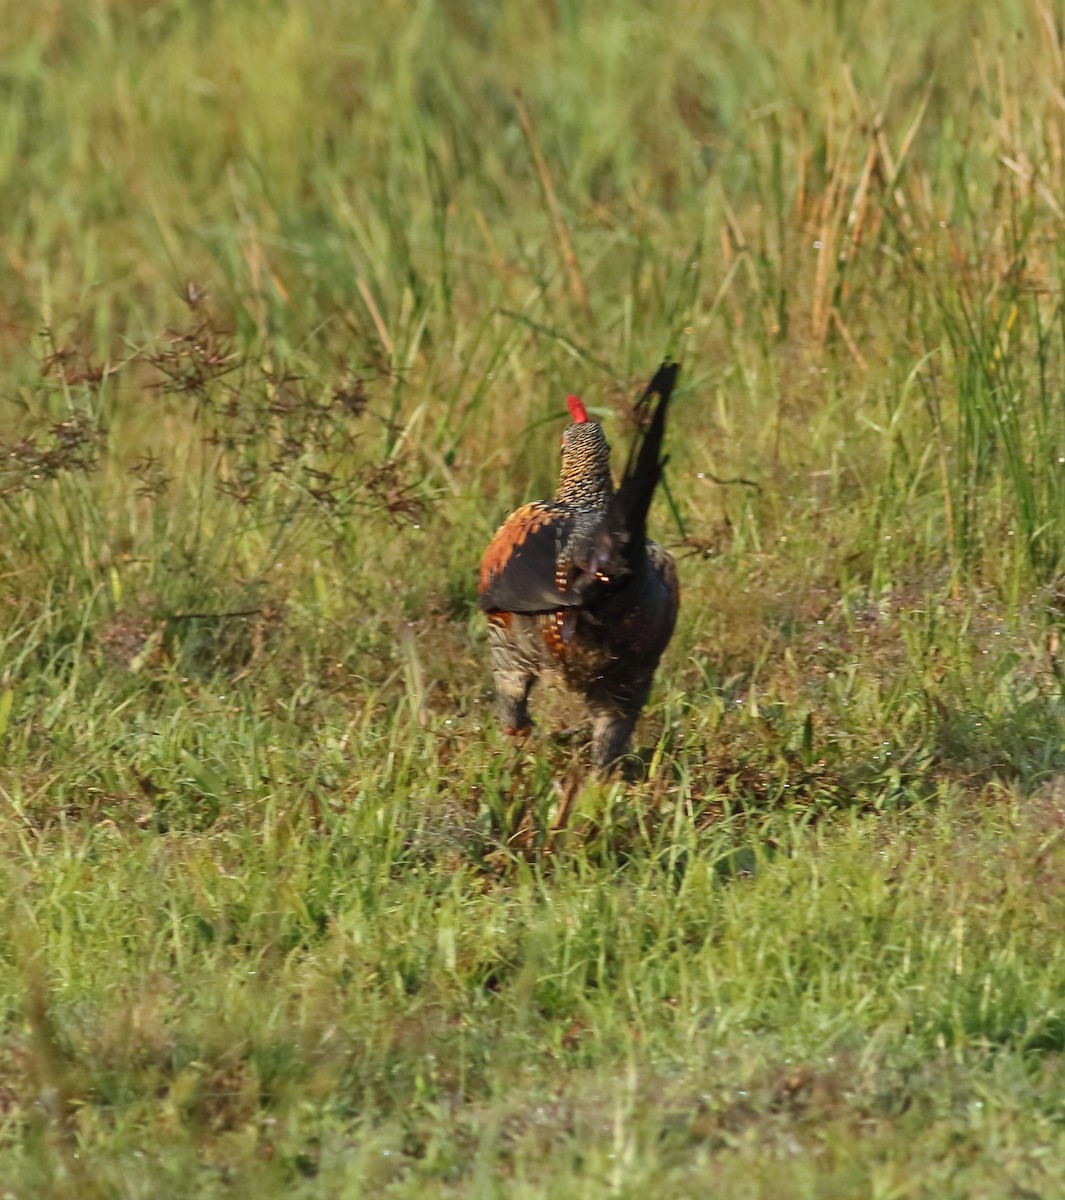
{"points": [[528, 565]]}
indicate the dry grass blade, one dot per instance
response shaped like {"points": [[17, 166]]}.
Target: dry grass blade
{"points": [[565, 245]]}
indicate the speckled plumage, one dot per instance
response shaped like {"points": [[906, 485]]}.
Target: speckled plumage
{"points": [[574, 592]]}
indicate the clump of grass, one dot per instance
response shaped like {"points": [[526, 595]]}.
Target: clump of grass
{"points": [[69, 446]]}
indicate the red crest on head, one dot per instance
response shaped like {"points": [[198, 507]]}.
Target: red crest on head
{"points": [[576, 410]]}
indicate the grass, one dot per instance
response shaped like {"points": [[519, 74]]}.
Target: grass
{"points": [[291, 298]]}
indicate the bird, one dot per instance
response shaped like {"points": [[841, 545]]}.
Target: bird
{"points": [[574, 591]]}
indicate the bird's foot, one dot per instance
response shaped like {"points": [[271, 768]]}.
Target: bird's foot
{"points": [[569, 734]]}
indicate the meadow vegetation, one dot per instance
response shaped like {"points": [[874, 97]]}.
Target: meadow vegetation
{"points": [[291, 297]]}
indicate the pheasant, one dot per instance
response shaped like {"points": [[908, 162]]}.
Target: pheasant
{"points": [[573, 590]]}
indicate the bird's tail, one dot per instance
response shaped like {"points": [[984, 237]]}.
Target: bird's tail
{"points": [[643, 469]]}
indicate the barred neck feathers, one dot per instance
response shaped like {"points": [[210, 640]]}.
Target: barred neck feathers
{"points": [[585, 481]]}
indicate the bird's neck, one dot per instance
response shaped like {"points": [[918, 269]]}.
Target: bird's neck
{"points": [[586, 489]]}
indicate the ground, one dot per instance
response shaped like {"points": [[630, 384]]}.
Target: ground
{"points": [[292, 296]]}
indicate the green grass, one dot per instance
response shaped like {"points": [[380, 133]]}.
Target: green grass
{"points": [[290, 300]]}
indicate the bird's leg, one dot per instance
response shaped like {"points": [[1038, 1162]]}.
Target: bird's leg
{"points": [[611, 734], [614, 718], [514, 678], [512, 700]]}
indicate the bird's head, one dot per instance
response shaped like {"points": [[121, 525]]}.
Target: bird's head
{"points": [[585, 475]]}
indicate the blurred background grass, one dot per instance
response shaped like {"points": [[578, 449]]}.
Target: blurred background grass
{"points": [[291, 297]]}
